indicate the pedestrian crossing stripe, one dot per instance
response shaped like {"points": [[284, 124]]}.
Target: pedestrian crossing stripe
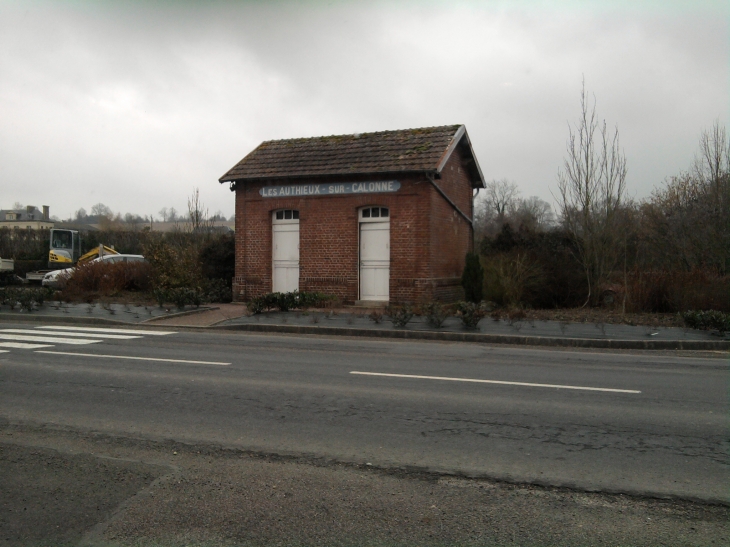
{"points": [[109, 331], [29, 338], [22, 345], [48, 336], [67, 333]]}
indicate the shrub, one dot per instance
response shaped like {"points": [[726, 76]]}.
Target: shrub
{"points": [[23, 297], [471, 313], [218, 258], [435, 314], [173, 266], [183, 296], [707, 320], [287, 301], [376, 317], [472, 279], [513, 277], [256, 305], [106, 279], [217, 290], [399, 315]]}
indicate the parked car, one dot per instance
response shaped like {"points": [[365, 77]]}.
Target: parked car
{"points": [[56, 278]]}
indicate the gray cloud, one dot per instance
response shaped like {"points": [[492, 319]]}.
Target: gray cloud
{"points": [[135, 104]]}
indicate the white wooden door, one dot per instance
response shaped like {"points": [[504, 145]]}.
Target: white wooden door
{"points": [[375, 261], [285, 253]]}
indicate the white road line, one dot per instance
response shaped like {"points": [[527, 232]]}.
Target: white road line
{"points": [[54, 340], [21, 345], [4, 351], [474, 380], [134, 358], [112, 331], [79, 334]]}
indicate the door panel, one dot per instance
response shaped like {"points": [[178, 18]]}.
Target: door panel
{"points": [[285, 251], [375, 261]]}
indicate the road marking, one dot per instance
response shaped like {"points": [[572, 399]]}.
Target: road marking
{"points": [[474, 380], [133, 358], [21, 345], [112, 331], [79, 334], [4, 351], [26, 338]]}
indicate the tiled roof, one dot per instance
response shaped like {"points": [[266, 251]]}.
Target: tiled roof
{"points": [[407, 150]]}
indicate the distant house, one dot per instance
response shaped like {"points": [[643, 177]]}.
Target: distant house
{"points": [[30, 218], [379, 217]]}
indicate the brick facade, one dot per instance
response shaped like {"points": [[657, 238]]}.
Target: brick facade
{"points": [[430, 214], [428, 237]]}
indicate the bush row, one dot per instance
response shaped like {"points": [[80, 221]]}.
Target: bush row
{"points": [[285, 301], [24, 297], [214, 290], [707, 320]]}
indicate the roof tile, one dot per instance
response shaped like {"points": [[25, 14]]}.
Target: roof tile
{"points": [[404, 150]]}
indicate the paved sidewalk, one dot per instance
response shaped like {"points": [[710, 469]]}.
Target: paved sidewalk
{"points": [[218, 313], [349, 319], [356, 322]]}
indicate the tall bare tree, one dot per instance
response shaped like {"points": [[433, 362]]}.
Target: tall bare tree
{"points": [[592, 187], [501, 197], [197, 214]]}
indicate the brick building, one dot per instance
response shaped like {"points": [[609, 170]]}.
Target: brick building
{"points": [[383, 216]]}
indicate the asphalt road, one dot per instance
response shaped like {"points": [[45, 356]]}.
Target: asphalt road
{"points": [[652, 424]]}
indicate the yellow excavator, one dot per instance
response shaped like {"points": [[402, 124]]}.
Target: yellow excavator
{"points": [[65, 252]]}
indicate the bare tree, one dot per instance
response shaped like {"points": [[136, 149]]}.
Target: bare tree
{"points": [[713, 162], [687, 223], [102, 210], [163, 214], [197, 213], [501, 197], [534, 213], [592, 186]]}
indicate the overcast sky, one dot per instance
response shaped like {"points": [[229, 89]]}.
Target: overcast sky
{"points": [[133, 104]]}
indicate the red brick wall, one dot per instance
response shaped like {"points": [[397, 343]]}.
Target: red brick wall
{"points": [[451, 233], [329, 234]]}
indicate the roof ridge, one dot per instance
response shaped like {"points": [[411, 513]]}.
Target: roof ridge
{"points": [[368, 134]]}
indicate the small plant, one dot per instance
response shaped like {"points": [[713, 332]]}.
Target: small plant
{"points": [[471, 313], [399, 315], [435, 314], [376, 316], [256, 305], [161, 296], [707, 320]]}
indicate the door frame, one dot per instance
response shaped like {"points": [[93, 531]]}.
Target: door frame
{"points": [[293, 215], [363, 220]]}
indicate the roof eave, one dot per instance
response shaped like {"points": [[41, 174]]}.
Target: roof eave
{"points": [[462, 136], [229, 179]]}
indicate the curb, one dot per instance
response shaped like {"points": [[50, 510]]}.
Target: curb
{"points": [[486, 338], [473, 337]]}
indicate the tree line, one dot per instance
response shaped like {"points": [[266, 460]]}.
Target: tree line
{"points": [[667, 253]]}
